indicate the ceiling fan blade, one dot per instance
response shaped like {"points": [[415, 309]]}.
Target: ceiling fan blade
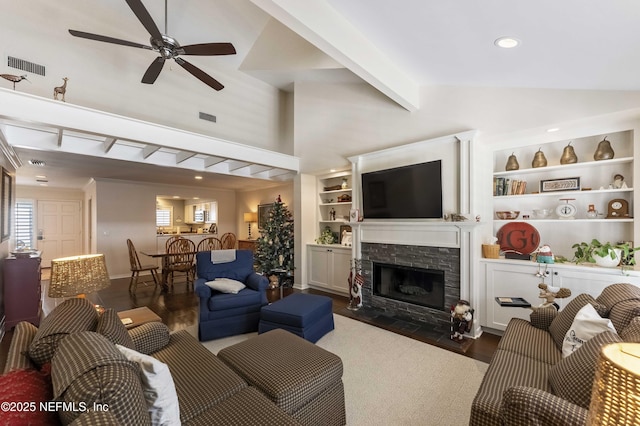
{"points": [[209, 49], [106, 39], [153, 71], [145, 19], [199, 74]]}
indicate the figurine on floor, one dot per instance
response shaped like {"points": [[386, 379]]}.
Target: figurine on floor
{"points": [[549, 294], [355, 287], [461, 319]]}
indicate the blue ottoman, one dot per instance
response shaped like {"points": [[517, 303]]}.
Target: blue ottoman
{"points": [[309, 316]]}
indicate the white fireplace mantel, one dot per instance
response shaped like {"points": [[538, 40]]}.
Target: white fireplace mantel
{"points": [[423, 233]]}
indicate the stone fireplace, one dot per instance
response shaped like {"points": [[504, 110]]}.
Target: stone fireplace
{"points": [[419, 286], [419, 282]]}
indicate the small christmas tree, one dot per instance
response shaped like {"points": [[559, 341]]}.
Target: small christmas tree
{"points": [[275, 244]]}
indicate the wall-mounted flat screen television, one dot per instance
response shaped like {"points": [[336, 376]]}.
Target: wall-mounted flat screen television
{"points": [[409, 192]]}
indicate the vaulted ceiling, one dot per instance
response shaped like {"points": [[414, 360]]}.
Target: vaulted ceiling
{"points": [[396, 47]]}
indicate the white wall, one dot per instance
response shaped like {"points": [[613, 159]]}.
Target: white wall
{"points": [[335, 121]]}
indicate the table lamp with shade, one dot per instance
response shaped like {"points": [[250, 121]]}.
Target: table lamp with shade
{"points": [[249, 218], [75, 276], [615, 399]]}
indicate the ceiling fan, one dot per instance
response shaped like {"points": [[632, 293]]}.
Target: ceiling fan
{"points": [[167, 47]]}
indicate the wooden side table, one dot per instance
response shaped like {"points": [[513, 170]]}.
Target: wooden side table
{"points": [[138, 316]]}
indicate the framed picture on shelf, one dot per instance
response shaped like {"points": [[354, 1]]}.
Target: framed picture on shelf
{"points": [[263, 214], [5, 226], [566, 184]]}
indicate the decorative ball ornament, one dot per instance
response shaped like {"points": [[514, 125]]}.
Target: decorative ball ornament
{"points": [[566, 210]]}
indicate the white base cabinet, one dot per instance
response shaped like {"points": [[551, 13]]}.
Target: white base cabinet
{"points": [[329, 267], [514, 278]]}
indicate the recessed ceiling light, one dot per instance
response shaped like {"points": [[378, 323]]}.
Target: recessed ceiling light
{"points": [[553, 129], [198, 177], [507, 42], [176, 196], [41, 177], [332, 170]]}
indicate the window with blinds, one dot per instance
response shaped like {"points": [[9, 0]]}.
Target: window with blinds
{"points": [[24, 223], [163, 217]]}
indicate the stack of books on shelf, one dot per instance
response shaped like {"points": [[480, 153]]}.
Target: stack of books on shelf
{"points": [[507, 186]]}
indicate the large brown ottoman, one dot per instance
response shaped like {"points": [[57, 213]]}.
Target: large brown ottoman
{"points": [[303, 379]]}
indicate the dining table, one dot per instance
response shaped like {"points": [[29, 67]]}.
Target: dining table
{"points": [[165, 265]]}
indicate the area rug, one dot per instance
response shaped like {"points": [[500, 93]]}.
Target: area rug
{"points": [[391, 379]]}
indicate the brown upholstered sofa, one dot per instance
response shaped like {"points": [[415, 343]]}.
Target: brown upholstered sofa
{"points": [[528, 382], [79, 349]]}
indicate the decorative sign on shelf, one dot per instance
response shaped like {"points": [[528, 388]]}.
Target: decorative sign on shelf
{"points": [[567, 184]]}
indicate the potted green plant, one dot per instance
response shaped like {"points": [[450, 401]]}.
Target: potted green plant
{"points": [[604, 254]]}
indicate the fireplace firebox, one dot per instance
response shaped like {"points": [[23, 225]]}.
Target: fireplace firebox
{"points": [[419, 286]]}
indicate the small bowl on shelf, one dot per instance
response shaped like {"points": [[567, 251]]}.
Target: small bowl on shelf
{"points": [[542, 213], [507, 214]]}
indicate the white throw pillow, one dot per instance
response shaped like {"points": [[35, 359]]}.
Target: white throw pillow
{"points": [[586, 324], [226, 285], [158, 387]]}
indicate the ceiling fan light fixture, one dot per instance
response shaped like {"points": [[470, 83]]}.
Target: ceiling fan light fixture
{"points": [[507, 42]]}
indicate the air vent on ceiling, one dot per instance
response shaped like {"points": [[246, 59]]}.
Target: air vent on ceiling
{"points": [[38, 163], [208, 117], [23, 65]]}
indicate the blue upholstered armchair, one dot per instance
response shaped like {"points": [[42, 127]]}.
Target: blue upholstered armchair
{"points": [[227, 314]]}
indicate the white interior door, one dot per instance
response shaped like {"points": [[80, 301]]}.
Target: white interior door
{"points": [[59, 229]]}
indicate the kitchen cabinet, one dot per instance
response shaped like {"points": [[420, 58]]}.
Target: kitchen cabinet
{"points": [[329, 267], [201, 212], [22, 292], [517, 278]]}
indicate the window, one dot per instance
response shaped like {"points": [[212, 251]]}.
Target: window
{"points": [[24, 222], [163, 216]]}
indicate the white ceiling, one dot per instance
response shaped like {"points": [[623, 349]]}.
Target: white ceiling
{"points": [[572, 44]]}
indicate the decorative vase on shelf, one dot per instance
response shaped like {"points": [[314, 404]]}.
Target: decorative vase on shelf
{"points": [[609, 261], [512, 163], [604, 150], [344, 183], [568, 155], [539, 160]]}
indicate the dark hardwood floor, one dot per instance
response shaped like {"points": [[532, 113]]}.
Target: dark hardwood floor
{"points": [[179, 310]]}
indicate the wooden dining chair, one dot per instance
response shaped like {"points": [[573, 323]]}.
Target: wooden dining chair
{"points": [[209, 244], [181, 257], [136, 268], [171, 239], [228, 240]]}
